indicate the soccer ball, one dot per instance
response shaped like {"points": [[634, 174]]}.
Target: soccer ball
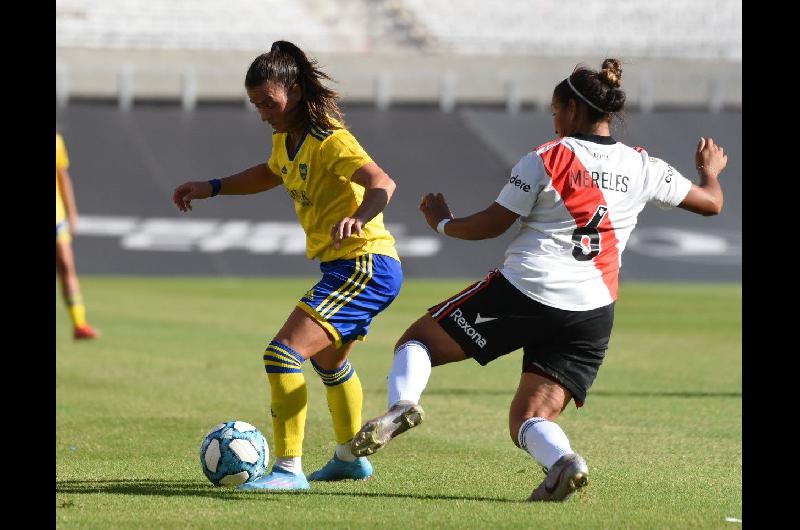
{"points": [[233, 453]]}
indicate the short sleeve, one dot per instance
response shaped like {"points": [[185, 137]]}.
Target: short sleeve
{"points": [[666, 187], [522, 189], [62, 160], [343, 154]]}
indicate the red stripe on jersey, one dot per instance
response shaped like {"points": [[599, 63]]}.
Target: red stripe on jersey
{"points": [[582, 202], [639, 149], [546, 145]]}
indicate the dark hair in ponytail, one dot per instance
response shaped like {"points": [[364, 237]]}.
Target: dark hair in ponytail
{"points": [[601, 89], [287, 64]]}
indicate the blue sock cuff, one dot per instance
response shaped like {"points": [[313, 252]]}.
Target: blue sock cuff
{"points": [[334, 377], [280, 358]]}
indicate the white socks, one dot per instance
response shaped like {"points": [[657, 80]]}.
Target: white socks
{"points": [[411, 368], [292, 464], [343, 452], [544, 440]]}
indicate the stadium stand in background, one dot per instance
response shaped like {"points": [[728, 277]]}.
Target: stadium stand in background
{"points": [[438, 91], [680, 53]]}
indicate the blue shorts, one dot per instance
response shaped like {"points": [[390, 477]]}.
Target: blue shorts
{"points": [[350, 294]]}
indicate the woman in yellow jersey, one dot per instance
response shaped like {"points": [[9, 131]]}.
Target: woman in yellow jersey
{"points": [[66, 219], [339, 194]]}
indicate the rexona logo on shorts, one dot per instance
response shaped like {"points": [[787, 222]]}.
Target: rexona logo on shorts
{"points": [[458, 318]]}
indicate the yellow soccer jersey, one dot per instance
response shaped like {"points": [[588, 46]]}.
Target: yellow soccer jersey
{"points": [[317, 178], [62, 162]]}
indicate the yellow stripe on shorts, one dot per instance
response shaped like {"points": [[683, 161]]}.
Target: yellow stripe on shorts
{"points": [[352, 283], [357, 291], [358, 285]]}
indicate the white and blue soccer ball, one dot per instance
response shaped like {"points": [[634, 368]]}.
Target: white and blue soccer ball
{"points": [[233, 453]]}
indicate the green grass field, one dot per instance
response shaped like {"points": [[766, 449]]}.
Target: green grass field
{"points": [[661, 430]]}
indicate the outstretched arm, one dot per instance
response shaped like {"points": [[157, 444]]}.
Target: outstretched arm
{"points": [[252, 180], [706, 199], [486, 224], [378, 190]]}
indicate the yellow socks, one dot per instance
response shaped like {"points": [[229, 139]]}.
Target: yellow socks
{"points": [[77, 311], [343, 390], [289, 398]]}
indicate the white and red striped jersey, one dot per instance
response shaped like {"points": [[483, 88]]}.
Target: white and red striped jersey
{"points": [[578, 199]]}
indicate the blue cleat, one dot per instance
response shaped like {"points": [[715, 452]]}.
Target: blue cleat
{"points": [[337, 469], [277, 480]]}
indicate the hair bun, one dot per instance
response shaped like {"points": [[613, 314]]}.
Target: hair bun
{"points": [[611, 73]]}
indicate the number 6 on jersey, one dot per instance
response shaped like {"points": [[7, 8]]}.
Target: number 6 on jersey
{"points": [[587, 238]]}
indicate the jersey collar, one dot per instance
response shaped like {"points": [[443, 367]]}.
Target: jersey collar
{"points": [[297, 147], [604, 140]]}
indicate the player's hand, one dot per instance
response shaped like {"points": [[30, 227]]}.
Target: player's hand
{"points": [[183, 194], [434, 208], [345, 228], [710, 159]]}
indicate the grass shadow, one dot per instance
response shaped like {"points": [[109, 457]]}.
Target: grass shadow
{"points": [[595, 393], [155, 487], [184, 488], [691, 395]]}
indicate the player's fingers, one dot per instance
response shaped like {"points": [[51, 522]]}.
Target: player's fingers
{"points": [[701, 144], [335, 235], [710, 142], [427, 201]]}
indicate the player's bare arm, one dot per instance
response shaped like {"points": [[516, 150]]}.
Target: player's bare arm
{"points": [[486, 224], [252, 180], [706, 199], [378, 190]]}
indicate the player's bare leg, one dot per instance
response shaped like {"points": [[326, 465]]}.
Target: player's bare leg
{"points": [[538, 402], [71, 291], [424, 345]]}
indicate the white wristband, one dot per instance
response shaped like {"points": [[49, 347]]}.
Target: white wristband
{"points": [[440, 226]]}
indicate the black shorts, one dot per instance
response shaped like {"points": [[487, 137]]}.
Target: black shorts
{"points": [[491, 318]]}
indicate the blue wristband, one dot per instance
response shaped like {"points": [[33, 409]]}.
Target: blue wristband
{"points": [[216, 184]]}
